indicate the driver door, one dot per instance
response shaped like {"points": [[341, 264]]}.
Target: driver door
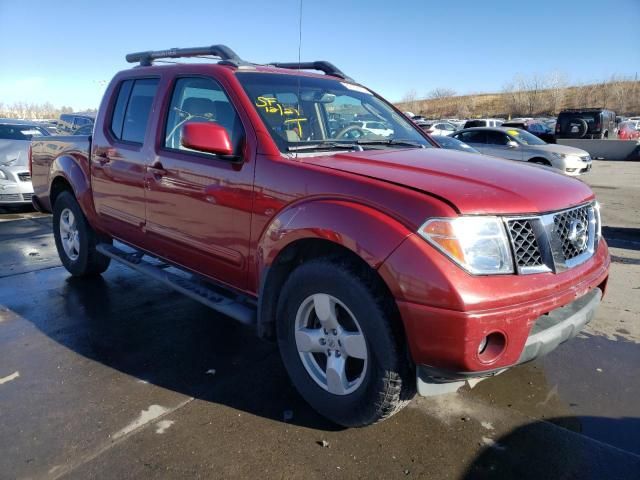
{"points": [[199, 204]]}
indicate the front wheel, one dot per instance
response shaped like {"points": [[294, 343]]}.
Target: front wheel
{"points": [[339, 345], [75, 239]]}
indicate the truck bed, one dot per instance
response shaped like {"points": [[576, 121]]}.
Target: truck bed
{"points": [[45, 151]]}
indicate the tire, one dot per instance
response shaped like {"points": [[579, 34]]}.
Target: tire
{"points": [[583, 128], [81, 259], [540, 161], [375, 387]]}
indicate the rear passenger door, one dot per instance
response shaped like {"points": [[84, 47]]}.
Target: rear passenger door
{"points": [[475, 138], [119, 159]]}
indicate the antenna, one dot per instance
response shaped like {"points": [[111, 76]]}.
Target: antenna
{"points": [[299, 54]]}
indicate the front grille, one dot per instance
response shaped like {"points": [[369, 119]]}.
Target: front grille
{"points": [[10, 197], [525, 244], [554, 242], [566, 224], [24, 176]]}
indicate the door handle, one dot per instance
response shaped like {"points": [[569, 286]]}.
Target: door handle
{"points": [[157, 170], [103, 159]]}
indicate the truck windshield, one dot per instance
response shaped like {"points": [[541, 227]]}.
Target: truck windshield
{"points": [[304, 111]]}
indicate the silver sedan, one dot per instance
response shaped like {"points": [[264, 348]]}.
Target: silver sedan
{"points": [[516, 144]]}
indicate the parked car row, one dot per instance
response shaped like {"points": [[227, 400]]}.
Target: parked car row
{"points": [[15, 178]]}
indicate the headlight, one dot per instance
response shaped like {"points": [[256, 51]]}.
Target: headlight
{"points": [[596, 209], [559, 155], [3, 176], [477, 244]]}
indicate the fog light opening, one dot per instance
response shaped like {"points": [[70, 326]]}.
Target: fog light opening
{"points": [[483, 345], [491, 347]]}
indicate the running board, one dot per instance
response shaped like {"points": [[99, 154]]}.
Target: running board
{"points": [[217, 298]]}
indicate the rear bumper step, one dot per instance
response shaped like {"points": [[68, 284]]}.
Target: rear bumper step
{"points": [[229, 303]]}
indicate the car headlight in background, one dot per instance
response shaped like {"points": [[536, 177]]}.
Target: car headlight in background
{"points": [[3, 176], [477, 244]]}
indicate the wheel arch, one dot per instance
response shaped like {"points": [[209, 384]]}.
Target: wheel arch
{"points": [[352, 233], [68, 173], [543, 160]]}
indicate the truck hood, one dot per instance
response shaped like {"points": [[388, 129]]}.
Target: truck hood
{"points": [[472, 183], [14, 152]]}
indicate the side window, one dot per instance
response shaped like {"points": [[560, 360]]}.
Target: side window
{"points": [[118, 111], [136, 116], [197, 99], [497, 138], [474, 136]]}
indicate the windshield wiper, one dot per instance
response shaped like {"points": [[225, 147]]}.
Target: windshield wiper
{"points": [[324, 146], [392, 141]]}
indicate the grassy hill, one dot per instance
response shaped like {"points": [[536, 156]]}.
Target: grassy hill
{"points": [[623, 97]]}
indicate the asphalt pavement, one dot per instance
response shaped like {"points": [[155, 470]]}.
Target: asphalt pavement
{"points": [[120, 377]]}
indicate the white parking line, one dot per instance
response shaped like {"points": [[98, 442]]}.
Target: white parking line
{"points": [[146, 416], [8, 378]]}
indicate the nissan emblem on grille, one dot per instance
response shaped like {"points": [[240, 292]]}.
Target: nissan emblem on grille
{"points": [[578, 234]]}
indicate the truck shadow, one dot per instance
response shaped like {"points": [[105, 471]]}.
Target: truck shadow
{"points": [[159, 336], [558, 448], [622, 237]]}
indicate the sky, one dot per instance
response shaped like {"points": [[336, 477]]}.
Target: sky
{"points": [[66, 52]]}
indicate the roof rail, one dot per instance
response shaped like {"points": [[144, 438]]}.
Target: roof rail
{"points": [[227, 55], [321, 65]]}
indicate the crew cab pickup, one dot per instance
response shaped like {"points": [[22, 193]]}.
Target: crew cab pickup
{"points": [[379, 264]]}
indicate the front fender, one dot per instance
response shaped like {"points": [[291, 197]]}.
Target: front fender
{"points": [[367, 232]]}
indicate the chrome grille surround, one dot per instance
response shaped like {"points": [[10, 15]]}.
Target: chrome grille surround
{"points": [[556, 241]]}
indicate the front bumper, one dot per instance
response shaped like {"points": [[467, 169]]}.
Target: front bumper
{"points": [[447, 313], [14, 193], [547, 333], [17, 189]]}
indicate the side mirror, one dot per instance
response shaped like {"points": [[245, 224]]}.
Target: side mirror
{"points": [[512, 144], [206, 137]]}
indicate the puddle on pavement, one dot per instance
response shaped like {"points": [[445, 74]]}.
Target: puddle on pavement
{"points": [[589, 385]]}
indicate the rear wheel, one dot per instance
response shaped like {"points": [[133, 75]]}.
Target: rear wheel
{"points": [[339, 346], [75, 239]]}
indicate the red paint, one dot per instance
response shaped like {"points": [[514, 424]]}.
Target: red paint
{"points": [[206, 137], [229, 220]]}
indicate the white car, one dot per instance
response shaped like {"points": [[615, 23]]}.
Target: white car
{"points": [[377, 128], [15, 186], [516, 144], [15, 179], [439, 128]]}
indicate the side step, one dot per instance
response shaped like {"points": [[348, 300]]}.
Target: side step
{"points": [[229, 303]]}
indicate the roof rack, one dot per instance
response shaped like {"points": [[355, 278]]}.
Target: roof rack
{"points": [[228, 56], [321, 65]]}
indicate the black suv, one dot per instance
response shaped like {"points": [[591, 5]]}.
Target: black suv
{"points": [[586, 123], [70, 122]]}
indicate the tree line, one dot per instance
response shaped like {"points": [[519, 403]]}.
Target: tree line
{"points": [[529, 96], [34, 111]]}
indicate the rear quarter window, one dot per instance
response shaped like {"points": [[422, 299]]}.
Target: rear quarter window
{"points": [[131, 111]]}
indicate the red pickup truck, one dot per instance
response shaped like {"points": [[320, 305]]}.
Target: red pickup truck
{"points": [[379, 263]]}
